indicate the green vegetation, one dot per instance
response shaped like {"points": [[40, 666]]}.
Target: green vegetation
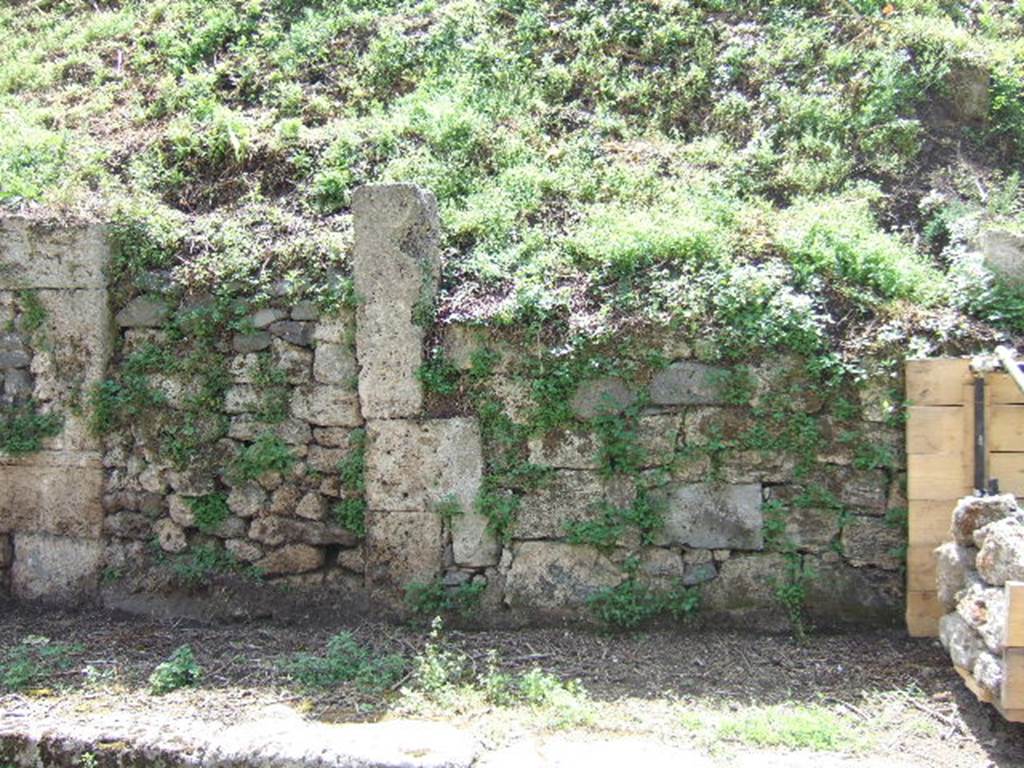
{"points": [[210, 511], [33, 661], [346, 660], [792, 726], [267, 453], [632, 603], [434, 598], [181, 670], [23, 428]]}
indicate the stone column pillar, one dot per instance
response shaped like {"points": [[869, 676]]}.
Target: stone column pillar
{"points": [[412, 464], [55, 341]]}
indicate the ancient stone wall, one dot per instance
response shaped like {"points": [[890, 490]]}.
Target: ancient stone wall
{"points": [[369, 453]]}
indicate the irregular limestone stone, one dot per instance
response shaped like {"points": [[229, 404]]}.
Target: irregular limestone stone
{"points": [[974, 512], [566, 497], [334, 364], [338, 329], [353, 559], [128, 525], [247, 428], [1001, 557], [243, 550], [275, 531], [838, 593], [241, 398], [292, 558], [13, 352], [601, 397], [960, 640], [565, 449], [17, 384], [557, 578], [661, 568], [326, 406], [284, 499], [745, 582], [988, 673], [810, 529], [305, 310], [952, 564], [55, 568], [262, 318], [473, 546], [402, 548], [984, 608], [687, 383], [311, 507], [180, 511], [326, 460], [711, 516], [294, 361], [395, 265], [968, 85], [293, 332], [143, 312], [1003, 252], [257, 341], [332, 437], [170, 536], [247, 500], [412, 465], [869, 541]]}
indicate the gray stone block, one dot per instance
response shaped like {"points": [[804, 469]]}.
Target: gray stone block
{"points": [[55, 568], [713, 516], [325, 405], [842, 594], [566, 497], [262, 318], [869, 541], [687, 383], [334, 364], [953, 562], [36, 254], [293, 332], [557, 578], [143, 312], [17, 384], [601, 397], [396, 267], [402, 548], [257, 341], [305, 310]]}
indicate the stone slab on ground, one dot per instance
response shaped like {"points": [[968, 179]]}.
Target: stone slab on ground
{"points": [[279, 738]]}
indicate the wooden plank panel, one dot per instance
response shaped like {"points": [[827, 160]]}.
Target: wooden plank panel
{"points": [[1008, 468], [923, 614], [936, 382], [1002, 389], [1012, 694], [928, 521], [1015, 614], [1006, 428], [936, 429], [921, 568], [938, 476]]}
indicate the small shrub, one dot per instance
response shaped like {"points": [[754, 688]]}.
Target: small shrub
{"points": [[210, 511], [435, 598], [346, 660], [350, 514], [32, 661], [267, 453], [791, 726], [630, 603], [181, 670], [352, 468], [23, 428], [438, 375]]}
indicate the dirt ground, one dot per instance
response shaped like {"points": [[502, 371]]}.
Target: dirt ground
{"points": [[666, 685]]}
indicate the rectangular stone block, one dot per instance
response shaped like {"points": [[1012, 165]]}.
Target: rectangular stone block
{"points": [[326, 406], [566, 497], [56, 493], [395, 266], [38, 255], [402, 548], [713, 516], [55, 568], [413, 465]]}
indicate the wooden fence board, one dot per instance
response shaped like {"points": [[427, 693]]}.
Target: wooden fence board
{"points": [[923, 613], [938, 476], [936, 382], [1008, 468], [928, 521], [1013, 679], [935, 429], [1015, 614], [1002, 389], [1006, 428]]}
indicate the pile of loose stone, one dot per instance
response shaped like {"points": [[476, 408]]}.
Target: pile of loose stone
{"points": [[987, 551]]}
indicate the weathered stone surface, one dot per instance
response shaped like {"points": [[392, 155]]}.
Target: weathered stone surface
{"points": [[334, 364], [572, 752], [244, 343], [275, 531], [128, 525], [395, 266], [661, 568], [292, 558], [984, 608], [745, 583], [170, 536], [461, 342], [687, 383], [1003, 252], [247, 428], [968, 86], [353, 559], [55, 568], [555, 577], [293, 361], [305, 310], [241, 398], [337, 329], [247, 500], [952, 564], [143, 312], [988, 672], [6, 551], [262, 318], [604, 396], [243, 550], [974, 512], [838, 593], [472, 544], [1001, 557], [49, 492], [864, 489], [13, 352], [410, 465], [17, 385], [869, 541], [712, 516], [810, 529], [565, 497], [284, 499], [34, 254], [180, 511], [326, 406], [293, 332], [960, 640], [332, 437], [402, 548], [311, 507], [565, 449]]}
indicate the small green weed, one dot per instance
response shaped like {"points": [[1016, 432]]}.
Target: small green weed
{"points": [[350, 514], [267, 453], [434, 598], [181, 670], [33, 661], [631, 603], [23, 428], [210, 511], [438, 375], [346, 660], [791, 726]]}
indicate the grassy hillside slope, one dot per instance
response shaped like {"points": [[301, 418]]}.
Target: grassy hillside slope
{"points": [[793, 175]]}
